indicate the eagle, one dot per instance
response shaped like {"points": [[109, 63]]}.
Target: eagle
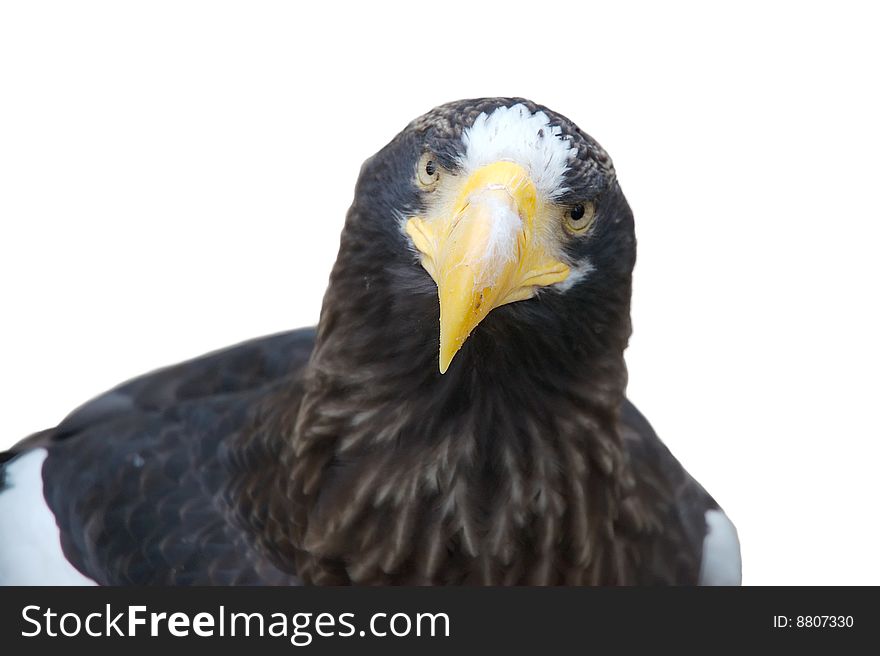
{"points": [[457, 417]]}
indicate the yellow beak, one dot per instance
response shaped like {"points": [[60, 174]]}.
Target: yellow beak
{"points": [[486, 252]]}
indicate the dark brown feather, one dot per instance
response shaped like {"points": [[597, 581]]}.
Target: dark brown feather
{"points": [[346, 457]]}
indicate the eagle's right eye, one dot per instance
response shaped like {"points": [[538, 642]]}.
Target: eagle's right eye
{"points": [[428, 172]]}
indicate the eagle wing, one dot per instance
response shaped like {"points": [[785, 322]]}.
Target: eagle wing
{"points": [[693, 540], [135, 480]]}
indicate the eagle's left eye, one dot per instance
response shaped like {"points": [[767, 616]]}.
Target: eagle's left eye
{"points": [[428, 172], [579, 217]]}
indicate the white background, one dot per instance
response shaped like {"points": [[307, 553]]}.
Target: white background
{"points": [[174, 177]]}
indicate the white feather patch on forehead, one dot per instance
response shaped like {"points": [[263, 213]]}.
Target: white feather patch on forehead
{"points": [[515, 134]]}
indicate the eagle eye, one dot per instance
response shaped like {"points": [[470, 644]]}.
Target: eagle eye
{"points": [[579, 217], [428, 172]]}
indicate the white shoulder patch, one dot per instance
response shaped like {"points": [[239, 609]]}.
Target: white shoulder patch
{"points": [[515, 134], [30, 542], [721, 564]]}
